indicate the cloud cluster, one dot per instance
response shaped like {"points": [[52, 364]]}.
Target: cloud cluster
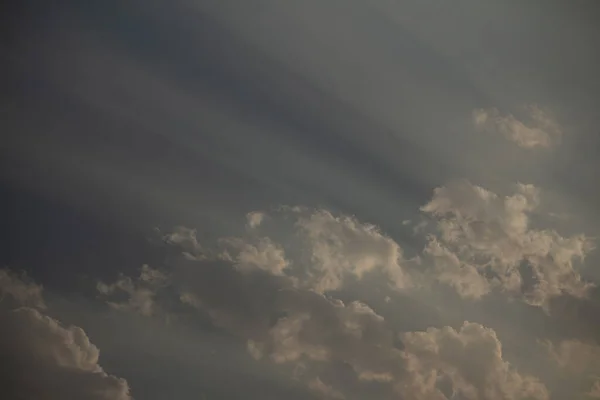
{"points": [[540, 131], [486, 241], [466, 364], [42, 359], [326, 250], [288, 320]]}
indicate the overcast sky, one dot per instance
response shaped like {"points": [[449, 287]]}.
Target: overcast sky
{"points": [[316, 199]]}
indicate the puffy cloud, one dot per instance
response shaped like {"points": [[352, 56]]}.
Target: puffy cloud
{"points": [[464, 277], [325, 252], [141, 291], [540, 131], [480, 232], [446, 363], [262, 254], [341, 246], [285, 318], [434, 364], [42, 359]]}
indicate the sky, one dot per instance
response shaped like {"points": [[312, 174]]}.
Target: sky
{"points": [[326, 199]]}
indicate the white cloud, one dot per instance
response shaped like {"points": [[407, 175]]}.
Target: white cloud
{"points": [[540, 131], [480, 232], [43, 359]]}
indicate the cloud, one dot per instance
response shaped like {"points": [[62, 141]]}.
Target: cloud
{"points": [[141, 291], [595, 390], [325, 250], [262, 254], [297, 327], [445, 363], [328, 392], [482, 233], [255, 218], [541, 131], [579, 360], [341, 246], [20, 290], [575, 356], [43, 359]]}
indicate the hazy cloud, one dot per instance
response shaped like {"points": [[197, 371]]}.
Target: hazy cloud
{"points": [[140, 291], [255, 218], [328, 392], [580, 361], [540, 129], [20, 290]]}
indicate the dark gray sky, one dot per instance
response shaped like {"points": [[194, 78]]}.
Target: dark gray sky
{"points": [[442, 159]]}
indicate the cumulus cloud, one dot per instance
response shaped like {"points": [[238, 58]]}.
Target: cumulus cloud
{"points": [[540, 131], [342, 245], [42, 359], [435, 364], [287, 323], [327, 250], [465, 363], [485, 240]]}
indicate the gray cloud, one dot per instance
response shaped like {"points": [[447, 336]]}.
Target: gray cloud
{"points": [[20, 290], [140, 292], [43, 359]]}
